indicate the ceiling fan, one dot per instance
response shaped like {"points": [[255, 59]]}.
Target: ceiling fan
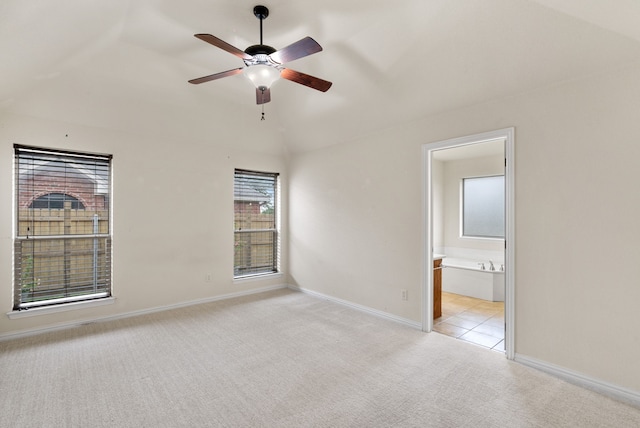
{"points": [[263, 64]]}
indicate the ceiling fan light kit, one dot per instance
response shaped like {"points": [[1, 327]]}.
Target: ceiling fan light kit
{"points": [[264, 64], [262, 76]]}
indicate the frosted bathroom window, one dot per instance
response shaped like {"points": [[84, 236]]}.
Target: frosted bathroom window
{"points": [[483, 207]]}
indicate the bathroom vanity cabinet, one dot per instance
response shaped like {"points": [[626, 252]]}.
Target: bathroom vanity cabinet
{"points": [[437, 288]]}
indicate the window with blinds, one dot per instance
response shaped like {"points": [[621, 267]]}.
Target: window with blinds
{"points": [[62, 249], [256, 240]]}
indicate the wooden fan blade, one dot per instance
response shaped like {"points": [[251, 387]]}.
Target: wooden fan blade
{"points": [[263, 97], [299, 49], [216, 76], [305, 79], [223, 45]]}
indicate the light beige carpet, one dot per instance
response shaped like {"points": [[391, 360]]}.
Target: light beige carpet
{"points": [[279, 359]]}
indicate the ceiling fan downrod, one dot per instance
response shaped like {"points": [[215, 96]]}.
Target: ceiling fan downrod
{"points": [[261, 12]]}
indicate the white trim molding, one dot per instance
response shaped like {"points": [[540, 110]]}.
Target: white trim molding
{"points": [[614, 391], [361, 308]]}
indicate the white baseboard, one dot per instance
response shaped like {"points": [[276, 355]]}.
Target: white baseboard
{"points": [[614, 391], [366, 309], [71, 324]]}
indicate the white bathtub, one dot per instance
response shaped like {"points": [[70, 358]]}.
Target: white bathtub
{"points": [[465, 277]]}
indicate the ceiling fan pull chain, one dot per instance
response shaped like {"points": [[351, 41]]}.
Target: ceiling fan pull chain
{"points": [[262, 89]]}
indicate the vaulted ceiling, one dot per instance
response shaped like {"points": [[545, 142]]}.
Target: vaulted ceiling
{"points": [[124, 64]]}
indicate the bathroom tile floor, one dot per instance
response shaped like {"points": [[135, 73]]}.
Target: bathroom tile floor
{"points": [[475, 320]]}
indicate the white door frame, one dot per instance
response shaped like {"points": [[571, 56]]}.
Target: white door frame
{"points": [[427, 228]]}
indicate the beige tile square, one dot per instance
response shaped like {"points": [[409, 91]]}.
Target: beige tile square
{"points": [[485, 304], [478, 318], [496, 321], [480, 339], [489, 312], [443, 318], [461, 322], [468, 299], [499, 347], [491, 330], [454, 308], [449, 329], [446, 314]]}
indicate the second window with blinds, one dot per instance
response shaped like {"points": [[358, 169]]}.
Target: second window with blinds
{"points": [[256, 239]]}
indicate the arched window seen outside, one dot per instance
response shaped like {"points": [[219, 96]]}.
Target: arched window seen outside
{"points": [[56, 201]]}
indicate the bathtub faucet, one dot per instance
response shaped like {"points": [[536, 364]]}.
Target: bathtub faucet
{"points": [[491, 266]]}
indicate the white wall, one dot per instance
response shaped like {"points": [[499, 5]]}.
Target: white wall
{"points": [[454, 172], [357, 215], [172, 220], [355, 219]]}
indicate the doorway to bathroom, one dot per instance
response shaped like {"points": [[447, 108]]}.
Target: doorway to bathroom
{"points": [[468, 238]]}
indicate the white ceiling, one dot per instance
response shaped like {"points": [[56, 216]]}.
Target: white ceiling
{"points": [[124, 64]]}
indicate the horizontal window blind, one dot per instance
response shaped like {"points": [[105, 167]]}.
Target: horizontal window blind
{"points": [[62, 251], [256, 240]]}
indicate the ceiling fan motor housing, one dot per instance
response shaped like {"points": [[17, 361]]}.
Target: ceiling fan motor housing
{"points": [[259, 50]]}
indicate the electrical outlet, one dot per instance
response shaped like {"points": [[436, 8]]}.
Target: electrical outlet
{"points": [[405, 295]]}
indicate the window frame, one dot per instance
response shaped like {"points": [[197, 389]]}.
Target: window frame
{"points": [[462, 209], [98, 239], [272, 267]]}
